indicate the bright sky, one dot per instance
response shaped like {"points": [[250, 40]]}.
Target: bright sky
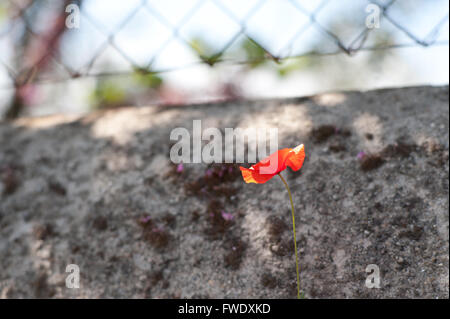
{"points": [[148, 37]]}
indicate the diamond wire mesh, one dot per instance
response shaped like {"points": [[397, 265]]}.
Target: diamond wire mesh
{"points": [[308, 16]]}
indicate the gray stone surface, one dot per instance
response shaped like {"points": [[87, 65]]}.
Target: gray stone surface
{"points": [[74, 190]]}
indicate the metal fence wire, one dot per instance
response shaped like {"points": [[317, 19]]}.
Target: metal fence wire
{"points": [[34, 36]]}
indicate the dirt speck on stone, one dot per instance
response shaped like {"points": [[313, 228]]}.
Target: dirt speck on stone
{"points": [[322, 133], [42, 232], [235, 253], [100, 223], [371, 162]]}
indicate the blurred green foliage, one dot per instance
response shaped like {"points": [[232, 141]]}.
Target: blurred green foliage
{"points": [[254, 53], [3, 12], [205, 51], [288, 66], [107, 93], [146, 78], [380, 39], [114, 92]]}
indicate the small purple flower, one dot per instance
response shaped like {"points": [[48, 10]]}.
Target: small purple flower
{"points": [[209, 172], [145, 219], [227, 216], [180, 168], [361, 155], [230, 169]]}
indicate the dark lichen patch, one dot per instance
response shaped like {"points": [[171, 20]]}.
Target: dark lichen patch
{"points": [[402, 263], [370, 162], [169, 220], [302, 242], [319, 186], [41, 287], [154, 232], [10, 180], [438, 155], [406, 217], [439, 161], [282, 248], [412, 202], [145, 221], [398, 149], [158, 237], [415, 233], [236, 249], [432, 147], [155, 277], [76, 248], [322, 133], [269, 281], [215, 182], [165, 284], [344, 132], [217, 224], [337, 147], [224, 191], [149, 180], [278, 244], [289, 283], [368, 136], [100, 223], [148, 291], [276, 227], [195, 215], [176, 172], [215, 185], [43, 231], [57, 188], [378, 207], [153, 280]]}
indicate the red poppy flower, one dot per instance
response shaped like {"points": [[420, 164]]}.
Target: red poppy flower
{"points": [[277, 162]]}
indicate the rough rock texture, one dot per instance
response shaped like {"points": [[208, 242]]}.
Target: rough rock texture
{"points": [[100, 191]]}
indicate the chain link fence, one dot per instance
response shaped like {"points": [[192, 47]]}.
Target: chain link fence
{"points": [[48, 41]]}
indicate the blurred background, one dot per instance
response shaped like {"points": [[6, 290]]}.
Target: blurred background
{"points": [[71, 56]]}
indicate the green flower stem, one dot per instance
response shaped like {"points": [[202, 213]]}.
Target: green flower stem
{"points": [[295, 239]]}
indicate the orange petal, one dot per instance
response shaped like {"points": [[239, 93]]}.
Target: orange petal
{"points": [[251, 175], [296, 158], [273, 164], [264, 170]]}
